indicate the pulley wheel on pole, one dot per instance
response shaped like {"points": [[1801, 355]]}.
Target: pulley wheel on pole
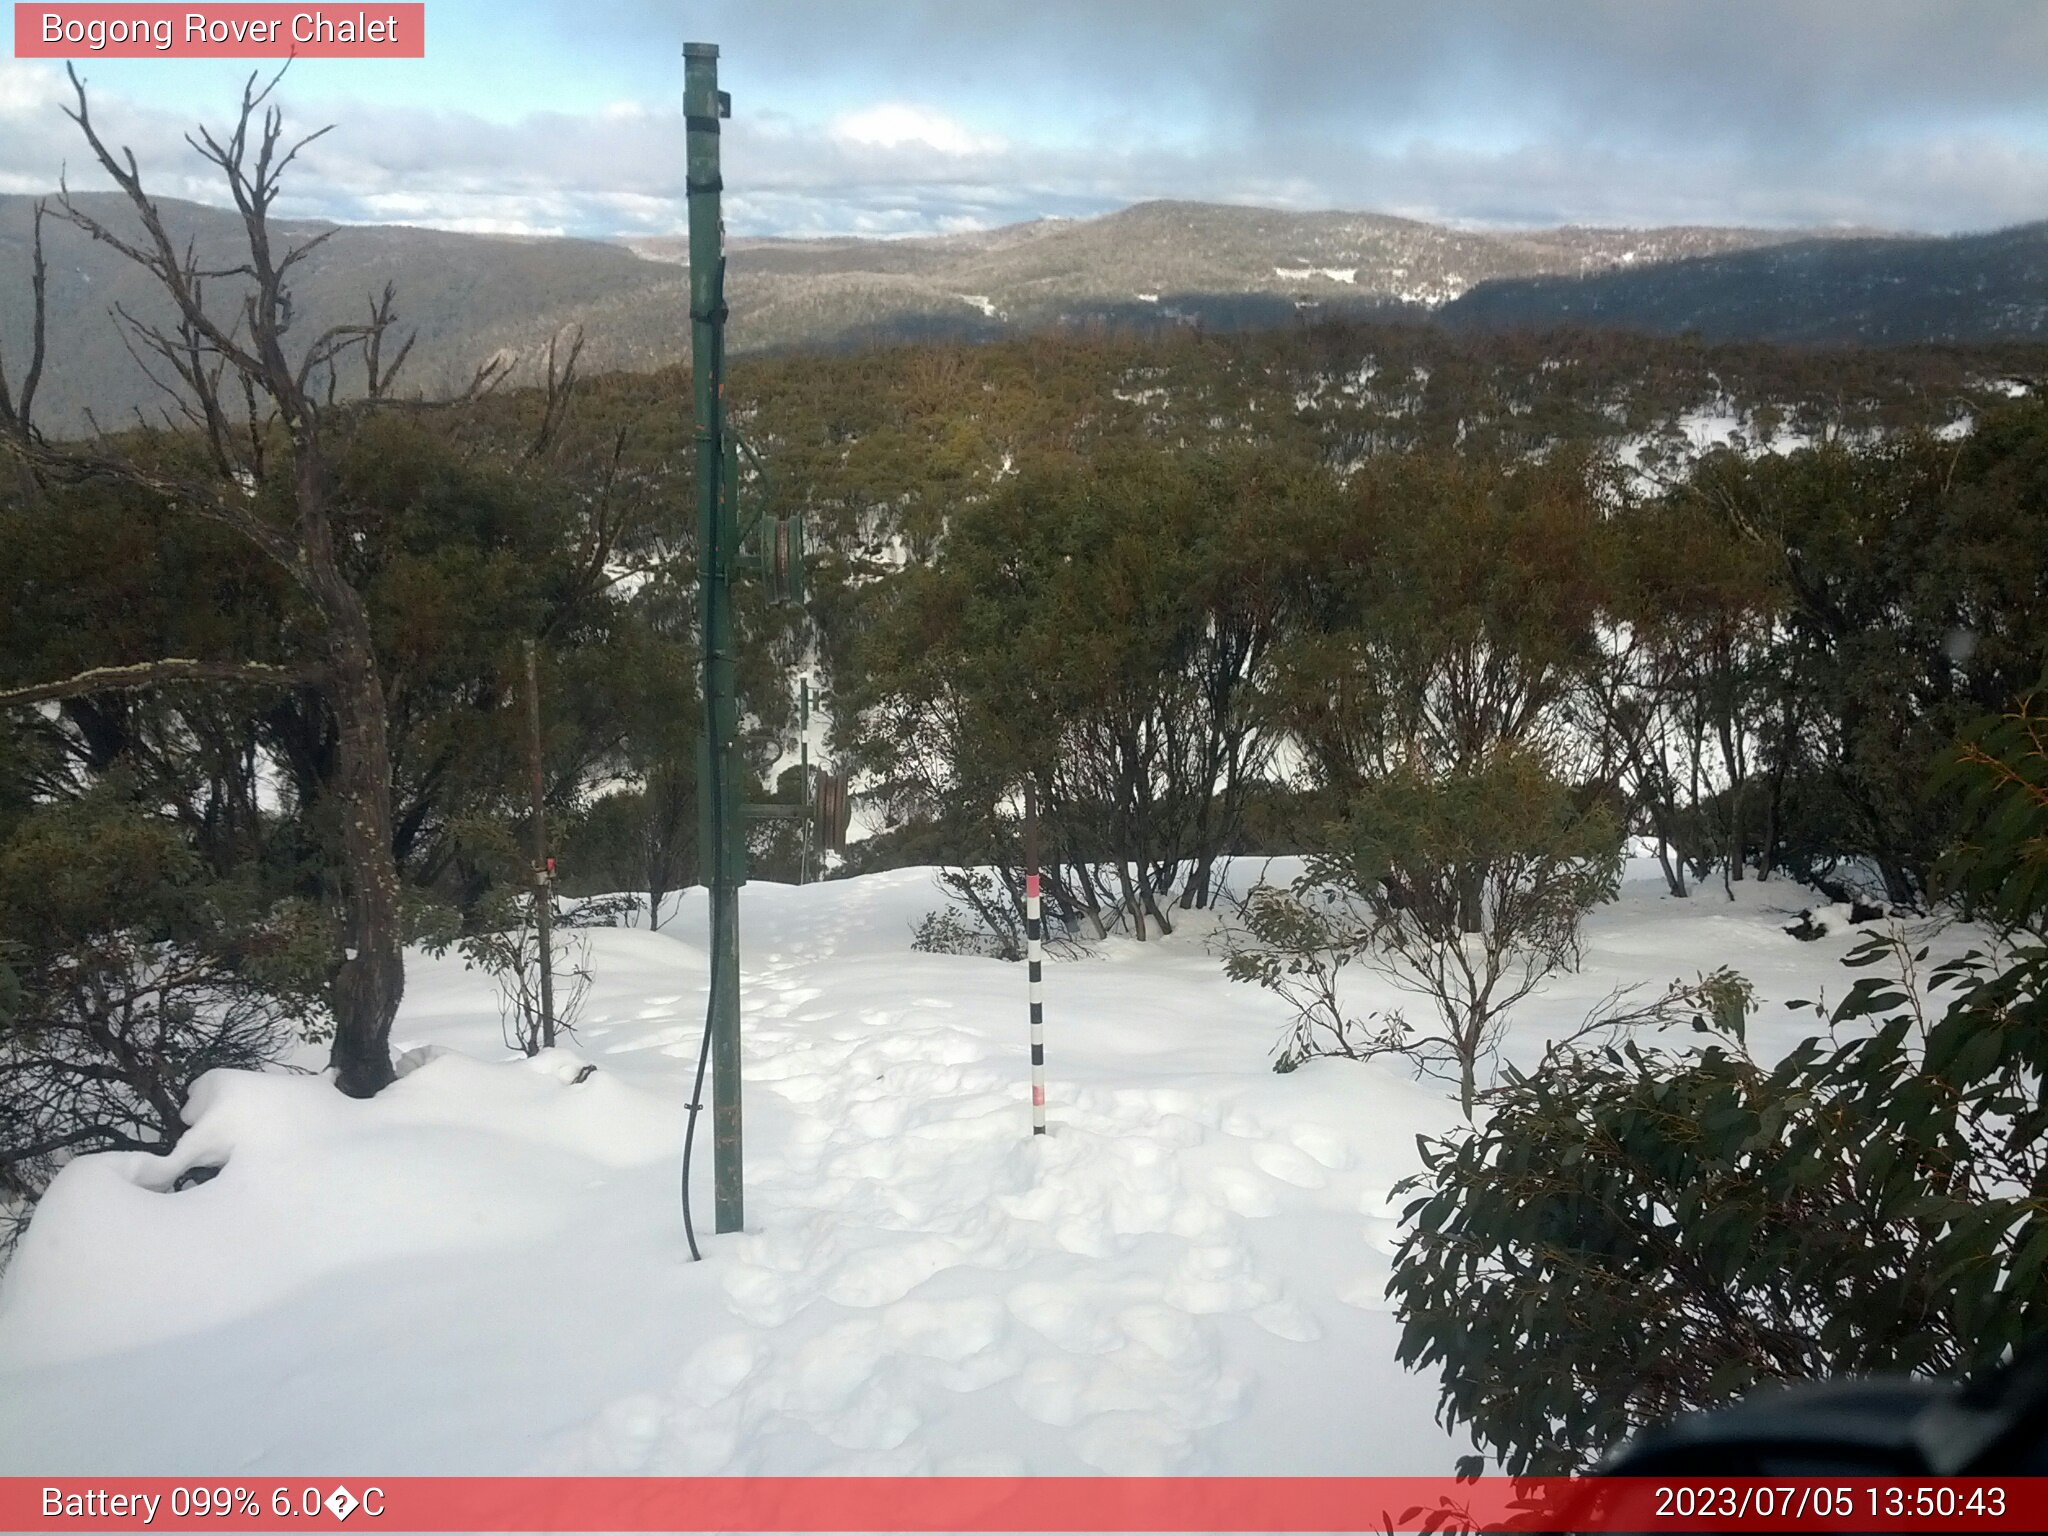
{"points": [[835, 811]]}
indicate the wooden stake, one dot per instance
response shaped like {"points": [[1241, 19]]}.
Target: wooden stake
{"points": [[543, 875]]}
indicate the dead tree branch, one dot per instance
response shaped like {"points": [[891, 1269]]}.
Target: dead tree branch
{"points": [[171, 669], [17, 415], [560, 385]]}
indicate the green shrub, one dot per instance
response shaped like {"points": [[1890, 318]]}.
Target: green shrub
{"points": [[1464, 890]]}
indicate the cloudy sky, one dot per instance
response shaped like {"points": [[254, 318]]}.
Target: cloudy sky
{"points": [[914, 116]]}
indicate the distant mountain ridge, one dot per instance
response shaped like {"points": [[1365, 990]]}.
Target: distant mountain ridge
{"points": [[473, 297], [1160, 256], [1878, 291]]}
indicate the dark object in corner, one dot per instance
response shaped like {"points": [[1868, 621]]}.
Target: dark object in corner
{"points": [[587, 1070], [197, 1174], [1879, 1426], [1896, 1426]]}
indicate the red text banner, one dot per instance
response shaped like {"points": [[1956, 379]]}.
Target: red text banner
{"points": [[115, 31], [1252, 1504]]}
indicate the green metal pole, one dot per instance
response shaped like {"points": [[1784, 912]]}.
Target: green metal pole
{"points": [[717, 545]]}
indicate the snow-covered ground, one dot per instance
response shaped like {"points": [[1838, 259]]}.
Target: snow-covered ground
{"points": [[483, 1270]]}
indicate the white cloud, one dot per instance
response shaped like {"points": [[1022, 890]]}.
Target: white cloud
{"points": [[899, 167], [27, 89], [896, 125]]}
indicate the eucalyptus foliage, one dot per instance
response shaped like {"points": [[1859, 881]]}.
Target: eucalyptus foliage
{"points": [[1637, 1231], [128, 969]]}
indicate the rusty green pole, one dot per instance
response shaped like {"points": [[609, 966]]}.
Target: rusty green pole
{"points": [[719, 824]]}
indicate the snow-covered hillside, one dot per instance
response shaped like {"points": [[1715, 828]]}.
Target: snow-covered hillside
{"points": [[483, 1270]]}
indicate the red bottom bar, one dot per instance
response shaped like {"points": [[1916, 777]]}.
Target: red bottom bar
{"points": [[1251, 1504]]}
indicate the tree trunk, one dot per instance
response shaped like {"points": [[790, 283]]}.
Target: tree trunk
{"points": [[1674, 874], [1092, 900], [371, 978], [1471, 898], [1774, 814], [1158, 915], [1131, 901], [1738, 803]]}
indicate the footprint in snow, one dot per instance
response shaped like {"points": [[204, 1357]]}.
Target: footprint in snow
{"points": [[1243, 1191], [1067, 1317], [878, 1118], [1289, 1165], [945, 1330], [1288, 1320], [876, 1421], [719, 1368], [1368, 1293], [1327, 1148], [1217, 1278], [874, 1277], [1128, 1444], [1168, 1332], [625, 1432], [765, 1298], [830, 1368]]}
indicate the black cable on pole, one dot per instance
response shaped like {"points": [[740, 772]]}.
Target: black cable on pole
{"points": [[690, 1129], [714, 786]]}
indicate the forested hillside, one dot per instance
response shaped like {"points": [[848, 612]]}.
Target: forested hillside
{"points": [[473, 525]]}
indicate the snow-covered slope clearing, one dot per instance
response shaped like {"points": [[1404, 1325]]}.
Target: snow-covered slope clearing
{"points": [[483, 1269]]}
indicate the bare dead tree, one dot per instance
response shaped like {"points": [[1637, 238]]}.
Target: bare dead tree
{"points": [[207, 354], [151, 674], [559, 384], [379, 375], [17, 414]]}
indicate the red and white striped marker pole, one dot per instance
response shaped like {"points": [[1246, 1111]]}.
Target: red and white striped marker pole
{"points": [[1034, 956]]}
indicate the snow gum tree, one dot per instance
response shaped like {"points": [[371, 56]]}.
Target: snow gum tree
{"points": [[1450, 607], [262, 428], [1105, 628], [1909, 576], [1390, 888], [198, 828], [1687, 699]]}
